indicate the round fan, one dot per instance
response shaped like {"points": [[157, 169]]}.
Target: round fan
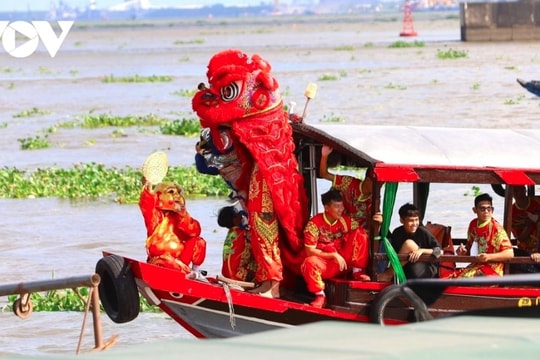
{"points": [[155, 167]]}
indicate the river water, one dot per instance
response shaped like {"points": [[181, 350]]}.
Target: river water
{"points": [[371, 83]]}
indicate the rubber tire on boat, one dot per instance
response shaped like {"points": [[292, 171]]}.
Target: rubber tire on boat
{"points": [[117, 289], [393, 292], [499, 189]]}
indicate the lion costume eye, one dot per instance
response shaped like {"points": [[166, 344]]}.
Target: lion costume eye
{"points": [[230, 92]]}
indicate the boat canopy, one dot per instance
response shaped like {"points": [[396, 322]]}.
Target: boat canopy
{"points": [[435, 154]]}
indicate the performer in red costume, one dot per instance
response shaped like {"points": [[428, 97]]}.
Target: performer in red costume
{"points": [[238, 262], [491, 240], [356, 192], [525, 224], [173, 235], [334, 243], [244, 96]]}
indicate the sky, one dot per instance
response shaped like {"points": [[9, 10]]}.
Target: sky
{"points": [[23, 5]]}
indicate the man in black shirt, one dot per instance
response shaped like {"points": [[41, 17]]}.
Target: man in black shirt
{"points": [[413, 239]]}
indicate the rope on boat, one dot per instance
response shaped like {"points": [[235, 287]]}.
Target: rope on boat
{"points": [[232, 319]]}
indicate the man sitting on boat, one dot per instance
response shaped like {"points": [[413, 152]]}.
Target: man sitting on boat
{"points": [[415, 240], [490, 239], [174, 239], [334, 243]]}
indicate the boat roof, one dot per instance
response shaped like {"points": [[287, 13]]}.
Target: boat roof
{"points": [[415, 153]]}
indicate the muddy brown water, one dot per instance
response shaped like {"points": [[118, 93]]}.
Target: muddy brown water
{"points": [[373, 84]]}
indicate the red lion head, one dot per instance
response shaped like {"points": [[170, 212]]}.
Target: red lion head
{"points": [[239, 86]]}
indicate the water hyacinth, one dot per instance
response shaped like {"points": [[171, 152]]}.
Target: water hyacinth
{"points": [[95, 181], [66, 300]]}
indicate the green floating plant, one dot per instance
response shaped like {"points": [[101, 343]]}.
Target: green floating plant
{"points": [[96, 181]]}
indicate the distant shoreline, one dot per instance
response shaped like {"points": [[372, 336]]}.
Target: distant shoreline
{"points": [[383, 17]]}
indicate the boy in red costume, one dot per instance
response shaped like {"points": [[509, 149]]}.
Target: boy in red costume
{"points": [[238, 262], [494, 246], [174, 239], [334, 243]]}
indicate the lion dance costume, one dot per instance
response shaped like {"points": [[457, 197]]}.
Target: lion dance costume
{"points": [[173, 235], [243, 96]]}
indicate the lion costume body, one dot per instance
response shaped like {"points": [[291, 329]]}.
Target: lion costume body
{"points": [[244, 96]]}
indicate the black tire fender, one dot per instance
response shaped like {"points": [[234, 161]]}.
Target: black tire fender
{"points": [[117, 289], [393, 292]]}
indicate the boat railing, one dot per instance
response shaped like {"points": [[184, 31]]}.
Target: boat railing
{"points": [[458, 259], [22, 306]]}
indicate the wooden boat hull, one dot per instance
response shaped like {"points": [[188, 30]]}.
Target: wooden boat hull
{"points": [[211, 309], [207, 309]]}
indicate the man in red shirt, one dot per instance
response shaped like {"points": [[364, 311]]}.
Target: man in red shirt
{"points": [[494, 246], [334, 243]]}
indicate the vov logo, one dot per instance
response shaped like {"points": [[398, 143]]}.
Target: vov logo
{"points": [[33, 32]]}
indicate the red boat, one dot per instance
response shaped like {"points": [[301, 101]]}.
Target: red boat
{"points": [[413, 157]]}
